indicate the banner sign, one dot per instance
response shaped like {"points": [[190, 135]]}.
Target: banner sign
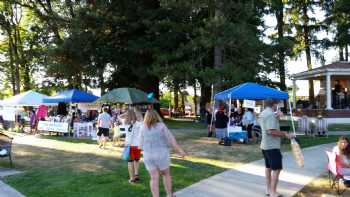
{"points": [[9, 113], [61, 127], [249, 104]]}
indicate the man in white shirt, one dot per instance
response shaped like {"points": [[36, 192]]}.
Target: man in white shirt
{"points": [[271, 145], [104, 123]]}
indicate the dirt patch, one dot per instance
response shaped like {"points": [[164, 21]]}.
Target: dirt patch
{"points": [[319, 188]]}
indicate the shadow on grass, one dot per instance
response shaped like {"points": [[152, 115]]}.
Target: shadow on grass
{"points": [[320, 187], [49, 172], [184, 124], [68, 139]]}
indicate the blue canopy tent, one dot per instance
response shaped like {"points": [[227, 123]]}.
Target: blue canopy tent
{"points": [[253, 91], [71, 96]]}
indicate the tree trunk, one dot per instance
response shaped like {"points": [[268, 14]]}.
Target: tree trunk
{"points": [[341, 54], [102, 82], [308, 51], [15, 56], [281, 52], [26, 77], [183, 98], [195, 98], [346, 53], [204, 99], [12, 69], [176, 96], [25, 71]]}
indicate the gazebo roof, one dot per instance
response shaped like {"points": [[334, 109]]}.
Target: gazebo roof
{"points": [[336, 68]]}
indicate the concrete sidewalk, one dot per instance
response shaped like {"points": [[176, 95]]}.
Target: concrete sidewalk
{"points": [[5, 190], [248, 180]]}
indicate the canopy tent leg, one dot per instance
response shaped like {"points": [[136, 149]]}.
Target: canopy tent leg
{"points": [[212, 116], [229, 114], [294, 94], [291, 116]]}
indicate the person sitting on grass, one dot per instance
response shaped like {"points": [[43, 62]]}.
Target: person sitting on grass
{"points": [[342, 149], [133, 118], [155, 141]]}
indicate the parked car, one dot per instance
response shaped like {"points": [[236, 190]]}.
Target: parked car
{"points": [[164, 111]]}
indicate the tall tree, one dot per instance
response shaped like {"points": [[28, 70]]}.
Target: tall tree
{"points": [[282, 43], [338, 22], [305, 26]]}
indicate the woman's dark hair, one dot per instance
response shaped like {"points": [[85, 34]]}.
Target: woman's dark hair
{"points": [[346, 151]]}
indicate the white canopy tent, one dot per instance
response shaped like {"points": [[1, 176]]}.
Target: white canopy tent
{"points": [[29, 98]]}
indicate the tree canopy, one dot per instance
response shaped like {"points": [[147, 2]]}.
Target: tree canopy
{"points": [[52, 44]]}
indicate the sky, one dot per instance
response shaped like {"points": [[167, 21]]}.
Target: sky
{"points": [[299, 65]]}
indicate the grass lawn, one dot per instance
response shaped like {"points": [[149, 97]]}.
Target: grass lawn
{"points": [[185, 123], [339, 127], [61, 166]]}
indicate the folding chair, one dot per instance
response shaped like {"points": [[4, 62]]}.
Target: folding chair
{"points": [[304, 125], [336, 180], [6, 143], [321, 127], [257, 131]]}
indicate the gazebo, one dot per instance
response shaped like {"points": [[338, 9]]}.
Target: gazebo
{"points": [[334, 85]]}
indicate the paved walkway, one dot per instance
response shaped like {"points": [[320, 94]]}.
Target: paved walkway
{"points": [[5, 190], [248, 180]]}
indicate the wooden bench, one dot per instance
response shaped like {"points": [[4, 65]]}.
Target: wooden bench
{"points": [[6, 143]]}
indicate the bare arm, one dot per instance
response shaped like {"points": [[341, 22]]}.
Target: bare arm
{"points": [[278, 133], [172, 141]]}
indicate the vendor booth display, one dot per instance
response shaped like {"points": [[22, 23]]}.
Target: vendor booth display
{"points": [[73, 120], [249, 92], [16, 110], [127, 96], [253, 91]]}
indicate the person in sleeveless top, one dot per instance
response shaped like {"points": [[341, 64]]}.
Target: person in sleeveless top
{"points": [[134, 118], [155, 142], [342, 150]]}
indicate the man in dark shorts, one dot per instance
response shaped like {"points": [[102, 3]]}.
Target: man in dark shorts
{"points": [[271, 145], [104, 122]]}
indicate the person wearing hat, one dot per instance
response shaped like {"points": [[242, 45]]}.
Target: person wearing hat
{"points": [[271, 145]]}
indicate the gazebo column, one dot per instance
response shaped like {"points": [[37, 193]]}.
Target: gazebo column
{"points": [[294, 94], [328, 92]]}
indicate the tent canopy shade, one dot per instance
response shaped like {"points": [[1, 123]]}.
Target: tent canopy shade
{"points": [[127, 96], [72, 96], [251, 91], [29, 98]]}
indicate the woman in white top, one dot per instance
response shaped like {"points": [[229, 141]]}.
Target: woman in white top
{"points": [[155, 141], [343, 153], [133, 118]]}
